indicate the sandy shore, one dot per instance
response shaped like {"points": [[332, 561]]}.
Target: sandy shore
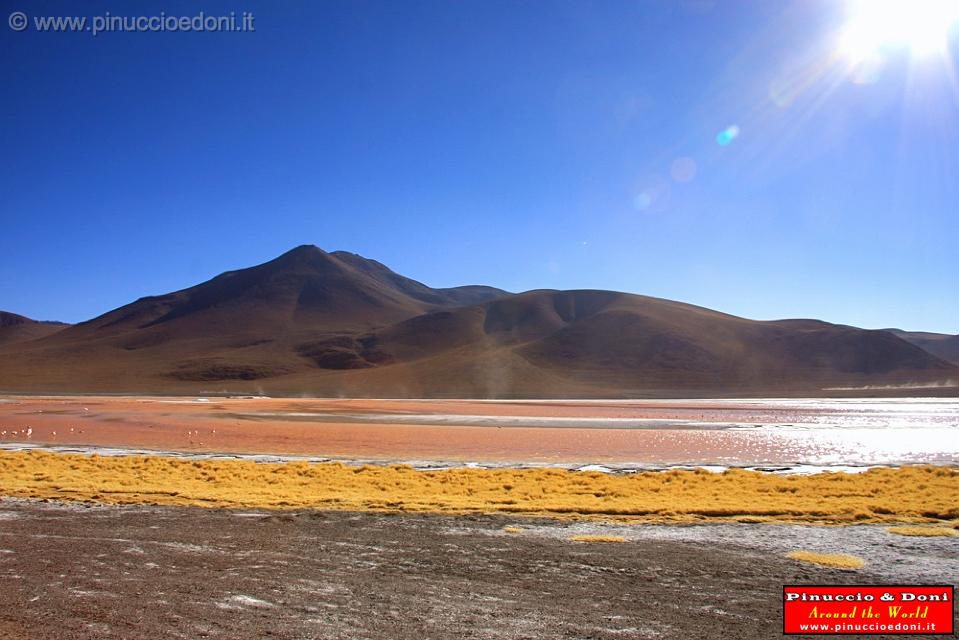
{"points": [[70, 572]]}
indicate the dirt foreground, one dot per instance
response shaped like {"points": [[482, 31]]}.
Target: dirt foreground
{"points": [[69, 571]]}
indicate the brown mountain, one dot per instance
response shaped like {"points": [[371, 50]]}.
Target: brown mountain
{"points": [[603, 343], [17, 328], [305, 288], [249, 324], [311, 322], [941, 345]]}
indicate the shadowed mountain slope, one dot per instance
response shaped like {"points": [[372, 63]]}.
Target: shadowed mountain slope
{"points": [[941, 345], [17, 328]]}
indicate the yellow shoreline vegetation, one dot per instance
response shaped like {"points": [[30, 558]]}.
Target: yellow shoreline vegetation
{"points": [[834, 560], [924, 532], [904, 495], [589, 538]]}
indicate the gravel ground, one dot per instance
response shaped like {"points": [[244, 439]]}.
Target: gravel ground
{"points": [[89, 571]]}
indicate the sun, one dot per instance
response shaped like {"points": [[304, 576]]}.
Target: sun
{"points": [[923, 26]]}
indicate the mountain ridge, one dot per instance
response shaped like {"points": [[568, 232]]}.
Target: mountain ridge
{"points": [[313, 322]]}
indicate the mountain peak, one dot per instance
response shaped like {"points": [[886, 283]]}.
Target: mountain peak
{"points": [[302, 252], [307, 257], [306, 250]]}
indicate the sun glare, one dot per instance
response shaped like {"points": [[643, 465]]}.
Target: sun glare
{"points": [[921, 25]]}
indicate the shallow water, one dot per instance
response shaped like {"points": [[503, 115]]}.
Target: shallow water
{"points": [[780, 433], [807, 432]]}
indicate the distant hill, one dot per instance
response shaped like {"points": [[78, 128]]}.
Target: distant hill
{"points": [[318, 323], [604, 343], [942, 345], [17, 328]]}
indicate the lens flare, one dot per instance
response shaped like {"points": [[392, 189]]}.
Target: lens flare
{"points": [[643, 200], [683, 169], [652, 194], [727, 135]]}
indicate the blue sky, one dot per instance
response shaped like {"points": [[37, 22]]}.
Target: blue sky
{"points": [[517, 144]]}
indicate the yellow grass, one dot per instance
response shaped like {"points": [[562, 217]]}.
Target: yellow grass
{"points": [[835, 560], [907, 495], [598, 539], [512, 530], [928, 532]]}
